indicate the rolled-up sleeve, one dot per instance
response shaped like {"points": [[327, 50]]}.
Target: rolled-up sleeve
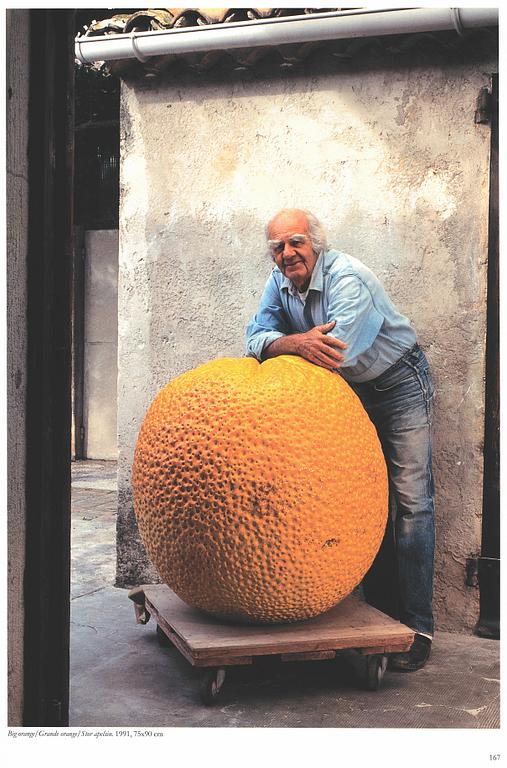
{"points": [[269, 323], [358, 322]]}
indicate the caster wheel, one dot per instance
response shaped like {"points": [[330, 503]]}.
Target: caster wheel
{"points": [[211, 686], [375, 668], [162, 638]]}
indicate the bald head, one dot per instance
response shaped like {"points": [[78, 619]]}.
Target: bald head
{"points": [[289, 217]]}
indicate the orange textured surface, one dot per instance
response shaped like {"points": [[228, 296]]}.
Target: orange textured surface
{"points": [[260, 489]]}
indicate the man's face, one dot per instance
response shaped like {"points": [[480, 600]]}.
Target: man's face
{"points": [[291, 248]]}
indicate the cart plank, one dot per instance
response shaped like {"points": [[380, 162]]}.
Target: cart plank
{"points": [[203, 638]]}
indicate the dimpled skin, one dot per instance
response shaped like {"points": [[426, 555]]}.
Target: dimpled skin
{"points": [[260, 489]]}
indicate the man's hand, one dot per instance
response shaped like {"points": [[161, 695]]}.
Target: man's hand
{"points": [[319, 348], [314, 345]]}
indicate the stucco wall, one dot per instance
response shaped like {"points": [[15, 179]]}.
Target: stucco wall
{"points": [[391, 161], [101, 344]]}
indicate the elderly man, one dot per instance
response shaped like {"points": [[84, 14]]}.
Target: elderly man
{"points": [[330, 309]]}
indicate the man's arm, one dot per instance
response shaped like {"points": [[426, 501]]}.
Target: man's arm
{"points": [[269, 334], [353, 324], [314, 345], [358, 322], [269, 324]]}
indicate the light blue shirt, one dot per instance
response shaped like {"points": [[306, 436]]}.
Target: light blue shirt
{"points": [[341, 289]]}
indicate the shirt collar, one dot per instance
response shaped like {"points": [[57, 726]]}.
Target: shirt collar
{"points": [[316, 280]]}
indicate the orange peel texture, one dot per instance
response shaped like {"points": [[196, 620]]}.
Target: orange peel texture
{"points": [[260, 489]]}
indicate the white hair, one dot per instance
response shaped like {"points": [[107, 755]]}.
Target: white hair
{"points": [[316, 233]]}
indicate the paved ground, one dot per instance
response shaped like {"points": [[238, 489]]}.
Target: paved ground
{"points": [[120, 676]]}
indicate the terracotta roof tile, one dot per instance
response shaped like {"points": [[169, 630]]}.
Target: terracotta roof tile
{"points": [[167, 18]]}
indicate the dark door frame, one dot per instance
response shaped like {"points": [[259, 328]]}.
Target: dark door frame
{"points": [[78, 340], [489, 561], [48, 404]]}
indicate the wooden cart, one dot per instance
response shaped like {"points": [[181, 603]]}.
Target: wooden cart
{"points": [[214, 645]]}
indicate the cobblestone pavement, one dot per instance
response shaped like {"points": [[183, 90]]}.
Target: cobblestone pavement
{"points": [[93, 542], [93, 531]]}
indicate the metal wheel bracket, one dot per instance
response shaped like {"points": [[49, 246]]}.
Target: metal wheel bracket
{"points": [[211, 685], [376, 665], [137, 596]]}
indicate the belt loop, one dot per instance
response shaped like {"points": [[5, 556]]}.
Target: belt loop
{"points": [[404, 357], [413, 349]]}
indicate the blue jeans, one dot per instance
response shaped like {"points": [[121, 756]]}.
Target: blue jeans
{"points": [[399, 403]]}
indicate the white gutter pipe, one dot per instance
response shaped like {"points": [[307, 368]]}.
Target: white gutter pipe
{"points": [[293, 29]]}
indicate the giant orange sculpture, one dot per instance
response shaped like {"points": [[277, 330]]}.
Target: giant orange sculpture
{"points": [[260, 490]]}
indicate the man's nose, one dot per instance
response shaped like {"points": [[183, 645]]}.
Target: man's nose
{"points": [[288, 249]]}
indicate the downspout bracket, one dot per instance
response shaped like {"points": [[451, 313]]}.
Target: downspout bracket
{"points": [[139, 56], [456, 18]]}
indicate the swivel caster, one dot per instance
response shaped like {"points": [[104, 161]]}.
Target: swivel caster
{"points": [[375, 668], [212, 685]]}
